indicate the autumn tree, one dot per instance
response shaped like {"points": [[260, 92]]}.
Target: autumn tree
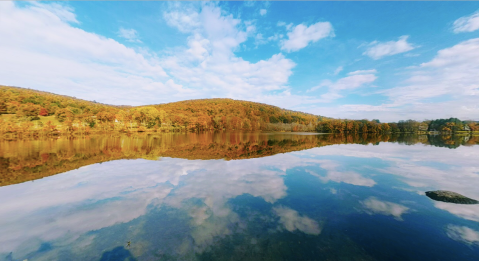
{"points": [[63, 114]]}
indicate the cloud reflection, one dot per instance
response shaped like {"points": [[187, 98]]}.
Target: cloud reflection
{"points": [[422, 168], [65, 206], [292, 221], [470, 212], [207, 227], [62, 208], [349, 177], [373, 205], [463, 234]]}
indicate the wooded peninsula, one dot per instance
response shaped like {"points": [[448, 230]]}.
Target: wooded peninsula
{"points": [[30, 113]]}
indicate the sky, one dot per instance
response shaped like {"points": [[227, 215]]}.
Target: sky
{"points": [[358, 60]]}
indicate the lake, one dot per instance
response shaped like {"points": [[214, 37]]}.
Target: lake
{"points": [[238, 196]]}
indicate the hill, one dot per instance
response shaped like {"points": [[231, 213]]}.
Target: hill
{"points": [[234, 114], [26, 112]]}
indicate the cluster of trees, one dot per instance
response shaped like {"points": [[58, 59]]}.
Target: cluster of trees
{"points": [[452, 125], [30, 111]]}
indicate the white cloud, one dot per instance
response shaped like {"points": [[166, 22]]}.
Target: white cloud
{"points": [[131, 35], [466, 23], [55, 55], [452, 76], [199, 47], [378, 50], [184, 17], [52, 55], [292, 221], [353, 81], [275, 37], [287, 26], [263, 11], [250, 28], [458, 55], [338, 70], [453, 72], [259, 39], [63, 12], [373, 71], [302, 35], [324, 83], [463, 234], [215, 69], [373, 205], [330, 96]]}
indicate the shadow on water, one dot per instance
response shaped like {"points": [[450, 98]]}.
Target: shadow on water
{"points": [[118, 254]]}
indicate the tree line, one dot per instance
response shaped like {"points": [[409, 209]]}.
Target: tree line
{"points": [[31, 112]]}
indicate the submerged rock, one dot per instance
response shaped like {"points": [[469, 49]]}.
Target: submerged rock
{"points": [[451, 197]]}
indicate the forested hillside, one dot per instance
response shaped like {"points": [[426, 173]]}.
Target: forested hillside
{"points": [[26, 112], [233, 114]]}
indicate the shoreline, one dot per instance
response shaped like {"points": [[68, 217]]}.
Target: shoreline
{"points": [[39, 134]]}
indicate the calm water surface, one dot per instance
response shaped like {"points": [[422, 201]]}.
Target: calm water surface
{"points": [[238, 196]]}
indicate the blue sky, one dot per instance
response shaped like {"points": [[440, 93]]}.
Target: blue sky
{"points": [[382, 60]]}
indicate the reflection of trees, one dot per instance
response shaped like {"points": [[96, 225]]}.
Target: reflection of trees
{"points": [[452, 141], [22, 161]]}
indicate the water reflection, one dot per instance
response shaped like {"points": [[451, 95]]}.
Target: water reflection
{"points": [[463, 234], [346, 202], [292, 221], [421, 168], [373, 205], [332, 174], [26, 160]]}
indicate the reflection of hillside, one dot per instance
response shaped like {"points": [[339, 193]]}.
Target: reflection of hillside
{"points": [[22, 161]]}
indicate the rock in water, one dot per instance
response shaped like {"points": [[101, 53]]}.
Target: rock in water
{"points": [[451, 197]]}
